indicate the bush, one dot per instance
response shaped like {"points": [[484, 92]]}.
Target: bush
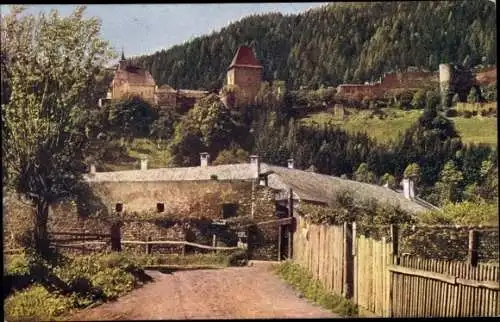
{"points": [[16, 265], [451, 113], [238, 258], [71, 283], [312, 289], [467, 114], [36, 303], [216, 259], [464, 213]]}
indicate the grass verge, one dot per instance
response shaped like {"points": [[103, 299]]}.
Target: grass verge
{"points": [[209, 260], [312, 289]]}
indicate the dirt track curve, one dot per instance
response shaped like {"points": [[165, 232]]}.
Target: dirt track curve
{"points": [[235, 292]]}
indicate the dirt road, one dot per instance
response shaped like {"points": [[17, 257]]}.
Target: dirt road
{"points": [[235, 292]]}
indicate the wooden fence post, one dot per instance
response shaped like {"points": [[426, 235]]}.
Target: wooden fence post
{"points": [[394, 260], [395, 243], [473, 243], [214, 242], [289, 226], [116, 244], [354, 264], [280, 236], [149, 247], [348, 261]]}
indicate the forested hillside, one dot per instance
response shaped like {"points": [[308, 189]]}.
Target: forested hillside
{"points": [[340, 42]]}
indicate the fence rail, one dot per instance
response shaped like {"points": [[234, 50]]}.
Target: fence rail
{"points": [[82, 234], [444, 277], [176, 242]]}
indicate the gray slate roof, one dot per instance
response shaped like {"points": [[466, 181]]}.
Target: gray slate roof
{"points": [[240, 171], [324, 188], [306, 185]]}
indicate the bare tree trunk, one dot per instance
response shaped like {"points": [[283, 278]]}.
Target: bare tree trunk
{"points": [[41, 233]]}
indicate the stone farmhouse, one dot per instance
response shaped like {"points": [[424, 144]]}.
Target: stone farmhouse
{"points": [[141, 189], [183, 203]]}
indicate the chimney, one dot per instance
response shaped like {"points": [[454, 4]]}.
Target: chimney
{"points": [[408, 188], [412, 189], [290, 163], [255, 163], [92, 168], [204, 158], [144, 164]]}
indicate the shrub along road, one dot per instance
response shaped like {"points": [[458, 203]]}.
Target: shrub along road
{"points": [[234, 292]]}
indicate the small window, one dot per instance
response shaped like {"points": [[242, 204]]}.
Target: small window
{"points": [[229, 210], [119, 207], [160, 207]]}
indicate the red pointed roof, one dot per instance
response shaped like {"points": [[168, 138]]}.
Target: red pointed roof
{"points": [[245, 58]]}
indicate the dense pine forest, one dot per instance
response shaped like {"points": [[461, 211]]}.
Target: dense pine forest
{"points": [[340, 42]]}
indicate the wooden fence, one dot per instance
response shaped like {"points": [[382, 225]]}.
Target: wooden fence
{"points": [[87, 242], [435, 288], [82, 241], [371, 282], [373, 276], [312, 248]]}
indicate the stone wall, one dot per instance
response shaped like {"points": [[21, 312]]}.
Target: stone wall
{"points": [[197, 199], [190, 207], [409, 80]]}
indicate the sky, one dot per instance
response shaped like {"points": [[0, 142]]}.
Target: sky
{"points": [[146, 28]]}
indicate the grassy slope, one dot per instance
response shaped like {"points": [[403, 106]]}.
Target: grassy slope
{"points": [[476, 129], [138, 148]]}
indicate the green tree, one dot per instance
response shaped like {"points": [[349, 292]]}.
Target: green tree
{"points": [[51, 63], [449, 183], [363, 174], [233, 155], [130, 118], [488, 188], [419, 99], [207, 127], [389, 180], [412, 171], [164, 126]]}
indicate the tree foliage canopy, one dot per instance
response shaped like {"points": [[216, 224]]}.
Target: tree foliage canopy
{"points": [[51, 63], [340, 42]]}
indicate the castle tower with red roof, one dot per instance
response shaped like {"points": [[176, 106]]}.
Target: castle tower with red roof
{"points": [[245, 73]]}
